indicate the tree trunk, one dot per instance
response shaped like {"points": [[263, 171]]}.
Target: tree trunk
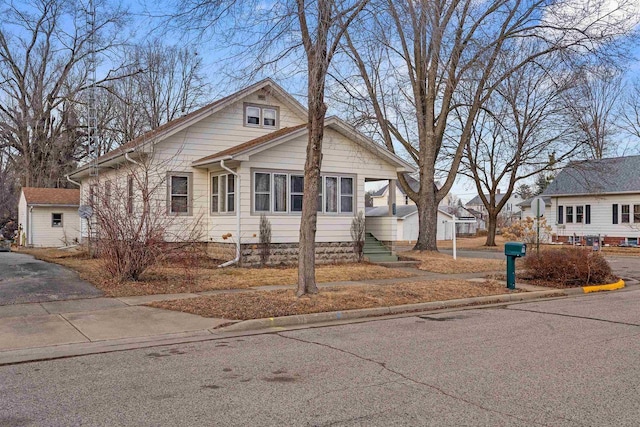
{"points": [[492, 222], [428, 221], [309, 215]]}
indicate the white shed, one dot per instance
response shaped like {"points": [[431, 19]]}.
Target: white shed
{"points": [[49, 217]]}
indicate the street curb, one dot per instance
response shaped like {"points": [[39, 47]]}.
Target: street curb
{"points": [[306, 319], [609, 287]]}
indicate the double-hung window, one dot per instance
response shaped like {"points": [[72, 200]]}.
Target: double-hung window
{"points": [[280, 192], [346, 195], [569, 214], [636, 213], [297, 190], [56, 220], [331, 194], [262, 192], [624, 218], [579, 214], [179, 192], [262, 116], [223, 193]]}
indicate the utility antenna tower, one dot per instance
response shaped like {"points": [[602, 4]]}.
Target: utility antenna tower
{"points": [[93, 142]]}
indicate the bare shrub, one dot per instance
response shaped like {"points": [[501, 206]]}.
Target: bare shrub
{"points": [[525, 230], [265, 239], [357, 234], [132, 224], [568, 267]]}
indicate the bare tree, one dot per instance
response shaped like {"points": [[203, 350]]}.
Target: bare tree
{"points": [[520, 131], [44, 46], [312, 29], [412, 59], [631, 112], [594, 108], [131, 224]]}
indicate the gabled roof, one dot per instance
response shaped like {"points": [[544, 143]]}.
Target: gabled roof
{"points": [[414, 184], [51, 196], [615, 175], [527, 203], [478, 201], [176, 125], [245, 146], [286, 134]]}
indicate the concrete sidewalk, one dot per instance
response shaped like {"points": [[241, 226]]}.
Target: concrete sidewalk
{"points": [[63, 328]]}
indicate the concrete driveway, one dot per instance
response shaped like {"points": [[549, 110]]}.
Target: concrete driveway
{"points": [[26, 279]]}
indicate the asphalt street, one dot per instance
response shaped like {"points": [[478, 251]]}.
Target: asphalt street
{"points": [[25, 279], [568, 362]]}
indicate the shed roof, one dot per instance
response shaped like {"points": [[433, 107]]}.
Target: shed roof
{"points": [[51, 196]]}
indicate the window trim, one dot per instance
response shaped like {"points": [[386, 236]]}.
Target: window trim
{"points": [[622, 214], [218, 176], [261, 107], [289, 174], [61, 220], [189, 176]]}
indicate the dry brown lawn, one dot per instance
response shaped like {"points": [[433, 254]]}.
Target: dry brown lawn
{"points": [[264, 304], [204, 275], [475, 243], [442, 263]]}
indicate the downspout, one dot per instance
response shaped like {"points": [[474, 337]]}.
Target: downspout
{"points": [[237, 207], [126, 156], [30, 222], [72, 181]]}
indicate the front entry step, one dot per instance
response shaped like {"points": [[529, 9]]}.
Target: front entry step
{"points": [[374, 251]]}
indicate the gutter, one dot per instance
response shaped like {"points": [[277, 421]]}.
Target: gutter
{"points": [[237, 207]]}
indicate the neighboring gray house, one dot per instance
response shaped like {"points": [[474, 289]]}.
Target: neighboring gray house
{"points": [[595, 198]]}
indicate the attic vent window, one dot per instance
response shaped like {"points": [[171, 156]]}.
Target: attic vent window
{"points": [[262, 97], [262, 116]]}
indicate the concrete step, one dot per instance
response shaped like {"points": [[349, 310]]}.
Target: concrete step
{"points": [[381, 258]]}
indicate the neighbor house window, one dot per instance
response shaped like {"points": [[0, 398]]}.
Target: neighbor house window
{"points": [[280, 192], [615, 214], [569, 214], [179, 193], [579, 214], [261, 116], [636, 213], [56, 220], [587, 214], [625, 214]]}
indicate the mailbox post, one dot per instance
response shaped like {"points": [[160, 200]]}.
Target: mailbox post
{"points": [[513, 250]]}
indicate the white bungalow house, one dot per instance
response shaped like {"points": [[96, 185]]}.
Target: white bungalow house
{"points": [[48, 217], [243, 156], [595, 198]]}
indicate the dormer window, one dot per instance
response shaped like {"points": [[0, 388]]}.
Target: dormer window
{"points": [[262, 116]]}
